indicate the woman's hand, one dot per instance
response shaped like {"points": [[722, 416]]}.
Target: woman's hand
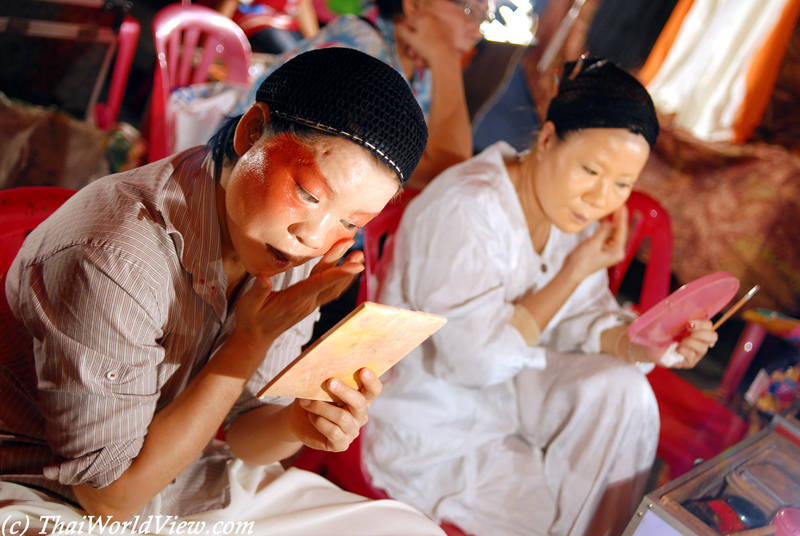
{"points": [[332, 427], [424, 39], [263, 315], [699, 337], [603, 249]]}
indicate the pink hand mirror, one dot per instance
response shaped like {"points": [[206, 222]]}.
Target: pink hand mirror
{"points": [[702, 298]]}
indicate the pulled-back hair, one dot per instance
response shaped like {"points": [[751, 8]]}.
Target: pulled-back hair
{"points": [[596, 93]]}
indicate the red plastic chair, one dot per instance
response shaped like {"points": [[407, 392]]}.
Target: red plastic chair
{"points": [[648, 221], [694, 426], [105, 114], [21, 210], [378, 245], [189, 40]]}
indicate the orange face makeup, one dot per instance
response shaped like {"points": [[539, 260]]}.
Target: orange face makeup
{"points": [[288, 201]]}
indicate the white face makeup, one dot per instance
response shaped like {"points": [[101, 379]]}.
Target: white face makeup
{"points": [[588, 175]]}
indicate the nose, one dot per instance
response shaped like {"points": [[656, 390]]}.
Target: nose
{"points": [[310, 231], [598, 195]]}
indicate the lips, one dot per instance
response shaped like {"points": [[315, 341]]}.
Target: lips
{"points": [[580, 218], [280, 259]]}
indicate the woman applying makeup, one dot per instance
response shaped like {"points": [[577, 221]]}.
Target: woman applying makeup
{"points": [[152, 307], [528, 412]]}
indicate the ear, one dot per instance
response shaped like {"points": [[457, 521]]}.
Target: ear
{"points": [[250, 127], [410, 7], [546, 139]]}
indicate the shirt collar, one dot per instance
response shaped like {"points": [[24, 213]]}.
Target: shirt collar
{"points": [[189, 208]]}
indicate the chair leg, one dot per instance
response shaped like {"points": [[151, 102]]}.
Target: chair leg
{"points": [[746, 349]]}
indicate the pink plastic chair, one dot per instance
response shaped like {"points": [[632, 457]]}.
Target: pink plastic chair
{"points": [[189, 40], [21, 210], [759, 324], [105, 114]]}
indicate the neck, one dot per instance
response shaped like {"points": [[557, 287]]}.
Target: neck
{"points": [[522, 172], [231, 262]]}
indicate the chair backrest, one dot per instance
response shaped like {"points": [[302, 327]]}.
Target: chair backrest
{"points": [[21, 210], [648, 221], [105, 114], [189, 40], [379, 245]]}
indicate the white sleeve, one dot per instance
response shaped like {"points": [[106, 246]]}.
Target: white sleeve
{"points": [[454, 260]]}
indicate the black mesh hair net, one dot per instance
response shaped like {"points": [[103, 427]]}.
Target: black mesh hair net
{"points": [[595, 93], [353, 95]]}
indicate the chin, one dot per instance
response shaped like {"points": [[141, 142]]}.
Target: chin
{"points": [[573, 227]]}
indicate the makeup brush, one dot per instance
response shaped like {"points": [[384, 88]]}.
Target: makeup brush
{"points": [[736, 307]]}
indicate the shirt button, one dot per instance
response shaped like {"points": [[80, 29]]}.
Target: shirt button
{"points": [[544, 268], [111, 375]]}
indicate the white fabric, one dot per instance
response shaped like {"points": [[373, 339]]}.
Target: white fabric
{"points": [[445, 434], [265, 501], [671, 357], [702, 78]]}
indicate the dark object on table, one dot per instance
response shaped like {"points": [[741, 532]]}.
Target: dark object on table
{"points": [[750, 514]]}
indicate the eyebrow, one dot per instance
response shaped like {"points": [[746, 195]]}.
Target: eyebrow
{"points": [[334, 195], [327, 185]]}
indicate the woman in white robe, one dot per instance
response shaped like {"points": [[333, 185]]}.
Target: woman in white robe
{"points": [[528, 412]]}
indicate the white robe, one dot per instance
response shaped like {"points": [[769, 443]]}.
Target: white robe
{"points": [[475, 426]]}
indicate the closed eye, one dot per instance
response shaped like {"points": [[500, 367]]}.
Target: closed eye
{"points": [[350, 226], [589, 170], [305, 194]]}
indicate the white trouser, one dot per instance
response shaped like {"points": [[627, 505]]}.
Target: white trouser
{"points": [[265, 501], [596, 420], [579, 463]]}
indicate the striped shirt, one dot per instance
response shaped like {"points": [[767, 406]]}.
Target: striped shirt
{"points": [[115, 303]]}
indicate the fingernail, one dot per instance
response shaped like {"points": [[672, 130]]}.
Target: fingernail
{"points": [[689, 325], [305, 402], [335, 385]]}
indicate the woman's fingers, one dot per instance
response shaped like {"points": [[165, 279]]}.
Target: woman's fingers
{"points": [[339, 424], [700, 338], [371, 385], [619, 229], [331, 258]]}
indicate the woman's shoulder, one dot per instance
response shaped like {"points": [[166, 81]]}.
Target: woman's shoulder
{"points": [[478, 188], [483, 177]]}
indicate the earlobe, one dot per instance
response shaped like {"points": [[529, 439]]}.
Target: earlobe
{"points": [[251, 127], [547, 136]]}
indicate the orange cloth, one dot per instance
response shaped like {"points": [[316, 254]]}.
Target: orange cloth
{"points": [[714, 65]]}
